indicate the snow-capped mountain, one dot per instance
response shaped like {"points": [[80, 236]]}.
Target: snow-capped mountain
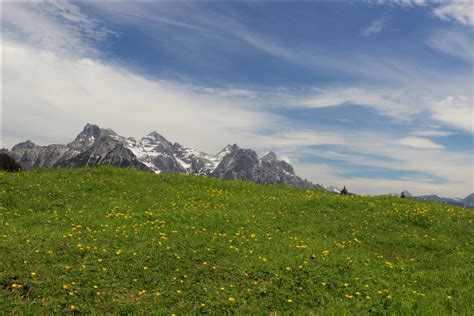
{"points": [[93, 146], [153, 152]]}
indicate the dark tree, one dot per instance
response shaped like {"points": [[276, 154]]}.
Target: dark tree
{"points": [[344, 191], [7, 163], [403, 195]]}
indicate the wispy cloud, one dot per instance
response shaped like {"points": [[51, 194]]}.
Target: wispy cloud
{"points": [[59, 26], [457, 111], [388, 102], [267, 45], [403, 3], [458, 11], [168, 21], [432, 133], [300, 138], [418, 142], [221, 28], [75, 20], [375, 27], [453, 43], [399, 156]]}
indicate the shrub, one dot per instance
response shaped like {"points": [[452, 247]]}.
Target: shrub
{"points": [[7, 163], [344, 191]]}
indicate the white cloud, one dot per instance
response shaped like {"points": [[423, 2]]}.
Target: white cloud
{"points": [[57, 26], [65, 93], [403, 3], [68, 86], [459, 11], [176, 23], [75, 19], [375, 27], [458, 185], [386, 102], [267, 45], [403, 104], [372, 150], [431, 133], [299, 138], [418, 142], [457, 111], [457, 44], [450, 174]]}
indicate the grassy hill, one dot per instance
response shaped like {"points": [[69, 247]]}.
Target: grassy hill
{"points": [[111, 240]]}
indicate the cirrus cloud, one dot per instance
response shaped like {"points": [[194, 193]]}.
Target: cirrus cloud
{"points": [[460, 12], [418, 142], [457, 111]]}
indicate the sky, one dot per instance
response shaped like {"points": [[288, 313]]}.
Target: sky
{"points": [[373, 95]]}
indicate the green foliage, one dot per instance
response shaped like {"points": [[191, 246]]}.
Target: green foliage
{"points": [[109, 240]]}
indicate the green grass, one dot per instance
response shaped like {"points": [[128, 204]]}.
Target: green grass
{"points": [[107, 240]]}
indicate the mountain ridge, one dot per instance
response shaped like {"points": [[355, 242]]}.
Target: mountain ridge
{"points": [[467, 202], [153, 152]]}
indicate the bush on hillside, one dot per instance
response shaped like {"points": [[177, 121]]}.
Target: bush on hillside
{"points": [[7, 163], [344, 191]]}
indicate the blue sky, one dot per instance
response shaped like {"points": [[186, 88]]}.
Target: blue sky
{"points": [[374, 95]]}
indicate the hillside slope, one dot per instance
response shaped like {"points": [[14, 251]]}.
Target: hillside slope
{"points": [[111, 240]]}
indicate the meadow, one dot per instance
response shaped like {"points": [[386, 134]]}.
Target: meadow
{"points": [[120, 241]]}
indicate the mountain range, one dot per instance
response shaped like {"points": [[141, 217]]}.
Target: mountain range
{"points": [[153, 152], [467, 202], [96, 146]]}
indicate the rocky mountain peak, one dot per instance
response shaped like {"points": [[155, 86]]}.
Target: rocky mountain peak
{"points": [[24, 145], [86, 137], [90, 130], [155, 137], [228, 149], [270, 156]]}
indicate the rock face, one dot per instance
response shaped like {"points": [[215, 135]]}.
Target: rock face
{"points": [[93, 146], [97, 146], [469, 201], [244, 164]]}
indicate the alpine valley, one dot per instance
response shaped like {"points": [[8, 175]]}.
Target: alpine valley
{"points": [[98, 146]]}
